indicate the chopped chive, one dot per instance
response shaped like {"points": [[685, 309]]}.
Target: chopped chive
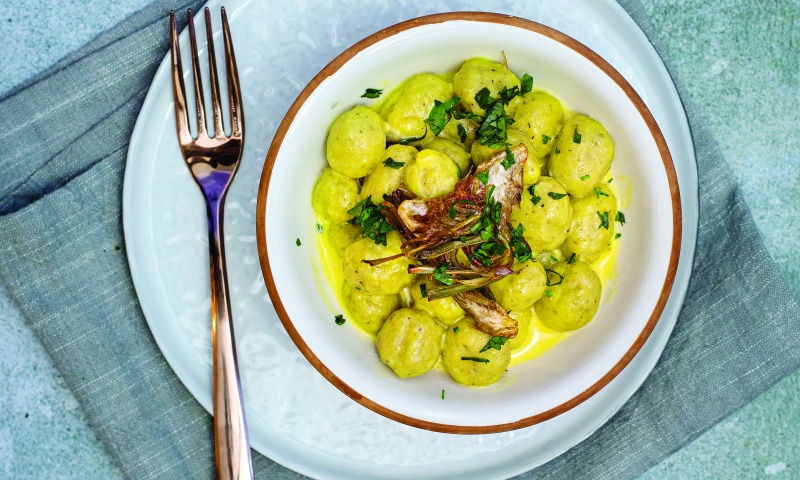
{"points": [[442, 394], [423, 290], [584, 178], [610, 179], [571, 259], [598, 192], [553, 258], [476, 359]]}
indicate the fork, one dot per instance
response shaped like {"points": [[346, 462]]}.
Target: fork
{"points": [[213, 161]]}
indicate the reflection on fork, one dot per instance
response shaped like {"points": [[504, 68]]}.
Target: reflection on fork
{"points": [[213, 161]]}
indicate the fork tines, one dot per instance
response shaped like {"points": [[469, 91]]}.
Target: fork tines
{"points": [[179, 88]]}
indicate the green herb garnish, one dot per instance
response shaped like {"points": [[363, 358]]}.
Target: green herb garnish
{"points": [[519, 247], [408, 140], [603, 220], [476, 359], [548, 293], [442, 394], [452, 212], [598, 193], [494, 342], [547, 274], [455, 329], [459, 115], [584, 178], [368, 216], [372, 93], [437, 119], [339, 319], [556, 196], [526, 85], [617, 235], [576, 137], [440, 273], [571, 259], [610, 179], [545, 139], [391, 163], [297, 242], [620, 218], [557, 150], [553, 258], [509, 161], [484, 98], [319, 228], [423, 290], [483, 176], [536, 198], [462, 133], [493, 132]]}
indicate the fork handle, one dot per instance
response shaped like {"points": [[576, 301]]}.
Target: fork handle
{"points": [[231, 443]]}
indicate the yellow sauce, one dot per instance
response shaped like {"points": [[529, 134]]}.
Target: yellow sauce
{"points": [[534, 338]]}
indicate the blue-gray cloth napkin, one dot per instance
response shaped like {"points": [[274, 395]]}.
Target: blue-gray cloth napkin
{"points": [[63, 262]]}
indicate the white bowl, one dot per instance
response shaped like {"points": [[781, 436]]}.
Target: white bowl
{"points": [[530, 392]]}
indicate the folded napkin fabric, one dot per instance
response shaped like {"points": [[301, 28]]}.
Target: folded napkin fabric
{"points": [[64, 264]]}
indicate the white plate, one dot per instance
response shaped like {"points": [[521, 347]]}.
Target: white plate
{"points": [[294, 415]]}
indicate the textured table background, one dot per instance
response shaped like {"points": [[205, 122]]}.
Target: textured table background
{"points": [[730, 55]]}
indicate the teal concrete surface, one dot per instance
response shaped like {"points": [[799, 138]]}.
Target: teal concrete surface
{"points": [[739, 61]]}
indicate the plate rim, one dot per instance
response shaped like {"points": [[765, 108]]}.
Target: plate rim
{"points": [[662, 92], [482, 17]]}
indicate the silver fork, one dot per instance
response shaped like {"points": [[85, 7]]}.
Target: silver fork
{"points": [[213, 162]]}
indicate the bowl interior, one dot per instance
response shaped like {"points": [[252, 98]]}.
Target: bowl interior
{"points": [[529, 392]]}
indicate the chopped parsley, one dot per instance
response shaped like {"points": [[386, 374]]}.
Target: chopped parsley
{"points": [[584, 178], [617, 235], [545, 139], [476, 359], [494, 342], [553, 258], [509, 161], [440, 273], [547, 275], [556, 196], [620, 218], [598, 193], [526, 85], [391, 163], [297, 242], [486, 251], [519, 247], [557, 150], [437, 119], [576, 137], [603, 220], [483, 176], [462, 133], [548, 293], [536, 198], [484, 98], [571, 259], [459, 115], [493, 132], [423, 290], [368, 216], [339, 319], [372, 93], [455, 329], [319, 228], [610, 179], [452, 212]]}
